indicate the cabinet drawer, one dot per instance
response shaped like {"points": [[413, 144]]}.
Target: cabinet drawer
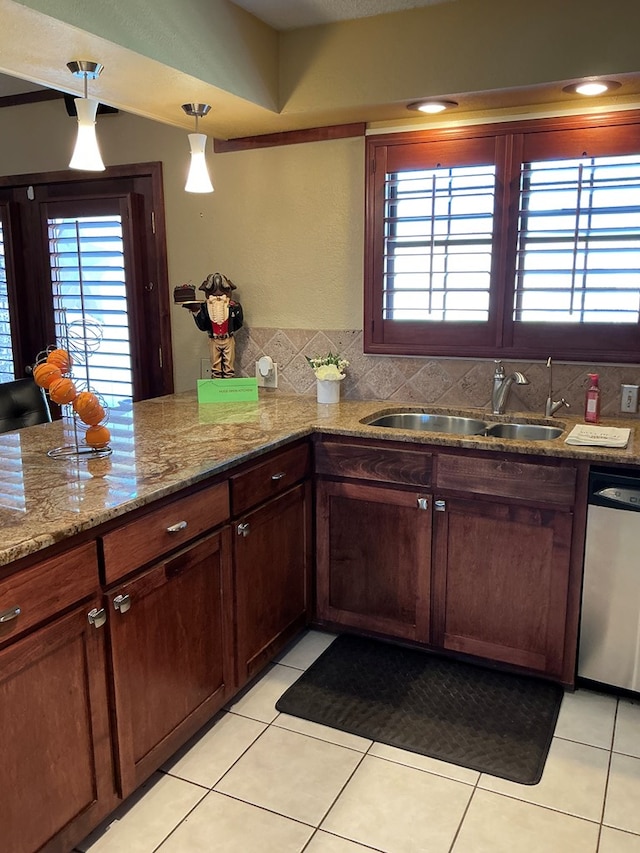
{"points": [[507, 478], [47, 589], [155, 533], [276, 474], [386, 465]]}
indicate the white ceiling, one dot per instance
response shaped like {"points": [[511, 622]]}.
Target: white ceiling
{"points": [[290, 14]]}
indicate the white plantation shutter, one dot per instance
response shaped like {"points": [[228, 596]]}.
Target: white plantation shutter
{"points": [[7, 367], [88, 279], [578, 255], [438, 233]]}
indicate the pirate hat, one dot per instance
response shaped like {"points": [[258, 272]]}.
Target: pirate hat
{"points": [[217, 283]]}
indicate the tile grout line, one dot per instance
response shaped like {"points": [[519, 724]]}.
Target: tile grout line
{"points": [[606, 784], [338, 795]]}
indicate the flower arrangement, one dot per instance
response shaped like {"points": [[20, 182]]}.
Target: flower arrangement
{"points": [[328, 367]]}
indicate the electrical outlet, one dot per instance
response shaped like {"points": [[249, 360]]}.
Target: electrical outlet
{"points": [[629, 399], [205, 368], [270, 380]]}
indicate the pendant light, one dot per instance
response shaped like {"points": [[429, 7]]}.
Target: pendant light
{"points": [[86, 154], [198, 180]]}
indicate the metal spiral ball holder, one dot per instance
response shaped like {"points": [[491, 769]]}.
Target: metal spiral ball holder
{"points": [[80, 338]]}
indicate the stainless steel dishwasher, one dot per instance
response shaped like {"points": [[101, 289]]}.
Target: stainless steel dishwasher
{"points": [[610, 621]]}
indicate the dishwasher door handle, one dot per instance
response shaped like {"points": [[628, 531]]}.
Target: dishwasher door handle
{"points": [[621, 495]]}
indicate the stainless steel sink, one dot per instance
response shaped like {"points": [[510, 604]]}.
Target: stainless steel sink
{"points": [[431, 423], [524, 432], [461, 425]]}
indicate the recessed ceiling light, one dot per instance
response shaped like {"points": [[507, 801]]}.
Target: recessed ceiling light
{"points": [[591, 87], [435, 106]]}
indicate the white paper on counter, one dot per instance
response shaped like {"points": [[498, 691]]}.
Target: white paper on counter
{"points": [[598, 436]]}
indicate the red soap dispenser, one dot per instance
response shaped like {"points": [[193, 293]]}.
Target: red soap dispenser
{"points": [[592, 400]]}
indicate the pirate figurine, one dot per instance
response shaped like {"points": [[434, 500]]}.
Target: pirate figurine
{"points": [[219, 316]]}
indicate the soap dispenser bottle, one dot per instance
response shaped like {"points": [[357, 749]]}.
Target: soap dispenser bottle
{"points": [[592, 400]]}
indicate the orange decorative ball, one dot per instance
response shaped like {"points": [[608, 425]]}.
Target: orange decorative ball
{"points": [[44, 374], [88, 408], [62, 391], [97, 436], [61, 358]]}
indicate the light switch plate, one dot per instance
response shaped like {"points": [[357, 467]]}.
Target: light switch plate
{"points": [[205, 368]]}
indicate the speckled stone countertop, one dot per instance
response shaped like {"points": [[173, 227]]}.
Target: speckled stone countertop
{"points": [[168, 443]]}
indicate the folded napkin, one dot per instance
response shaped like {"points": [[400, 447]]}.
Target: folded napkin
{"points": [[598, 436]]}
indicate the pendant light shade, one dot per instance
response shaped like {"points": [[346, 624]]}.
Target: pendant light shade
{"points": [[86, 154], [198, 180]]}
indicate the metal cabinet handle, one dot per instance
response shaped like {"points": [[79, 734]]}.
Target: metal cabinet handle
{"points": [[8, 615], [279, 475], [243, 529], [176, 528], [423, 503], [122, 602], [441, 506], [97, 617]]}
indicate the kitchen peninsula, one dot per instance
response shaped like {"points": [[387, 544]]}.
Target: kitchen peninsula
{"points": [[140, 591]]}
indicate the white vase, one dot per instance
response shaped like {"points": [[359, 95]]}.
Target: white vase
{"points": [[328, 390]]}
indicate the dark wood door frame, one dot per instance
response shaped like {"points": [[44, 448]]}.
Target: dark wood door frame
{"points": [[152, 323]]}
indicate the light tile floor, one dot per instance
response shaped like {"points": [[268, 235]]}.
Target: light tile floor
{"points": [[256, 781]]}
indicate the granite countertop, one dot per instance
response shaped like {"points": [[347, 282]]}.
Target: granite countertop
{"points": [[168, 443]]}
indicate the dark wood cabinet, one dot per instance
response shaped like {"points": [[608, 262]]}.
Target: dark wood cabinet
{"points": [[271, 507], [57, 774], [171, 654], [501, 582], [483, 560], [272, 574], [373, 558]]}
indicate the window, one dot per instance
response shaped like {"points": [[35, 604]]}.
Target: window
{"points": [[437, 248], [516, 240], [578, 256]]}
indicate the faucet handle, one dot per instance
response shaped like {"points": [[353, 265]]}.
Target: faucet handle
{"points": [[499, 370]]}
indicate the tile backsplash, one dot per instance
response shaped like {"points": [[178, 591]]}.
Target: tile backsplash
{"points": [[424, 381]]}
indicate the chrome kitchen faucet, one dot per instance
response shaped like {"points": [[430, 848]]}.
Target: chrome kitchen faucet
{"points": [[552, 405], [502, 385]]}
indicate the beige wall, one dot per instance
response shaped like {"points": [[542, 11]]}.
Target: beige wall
{"points": [[285, 224]]}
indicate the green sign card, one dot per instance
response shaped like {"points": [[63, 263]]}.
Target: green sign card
{"points": [[243, 390]]}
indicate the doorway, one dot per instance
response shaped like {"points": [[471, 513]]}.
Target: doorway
{"points": [[86, 257]]}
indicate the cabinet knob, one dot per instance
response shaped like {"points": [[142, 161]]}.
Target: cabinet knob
{"points": [[243, 529], [97, 617], [441, 506], [278, 476], [122, 602], [8, 615], [176, 528], [423, 503]]}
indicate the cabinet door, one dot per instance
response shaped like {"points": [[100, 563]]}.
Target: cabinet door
{"points": [[501, 582], [171, 654], [56, 782], [272, 561], [374, 559]]}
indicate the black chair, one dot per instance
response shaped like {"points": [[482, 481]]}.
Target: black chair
{"points": [[22, 403]]}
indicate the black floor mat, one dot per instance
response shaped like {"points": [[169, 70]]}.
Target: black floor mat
{"points": [[491, 721]]}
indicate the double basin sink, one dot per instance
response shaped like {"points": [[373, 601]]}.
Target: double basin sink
{"points": [[460, 425]]}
